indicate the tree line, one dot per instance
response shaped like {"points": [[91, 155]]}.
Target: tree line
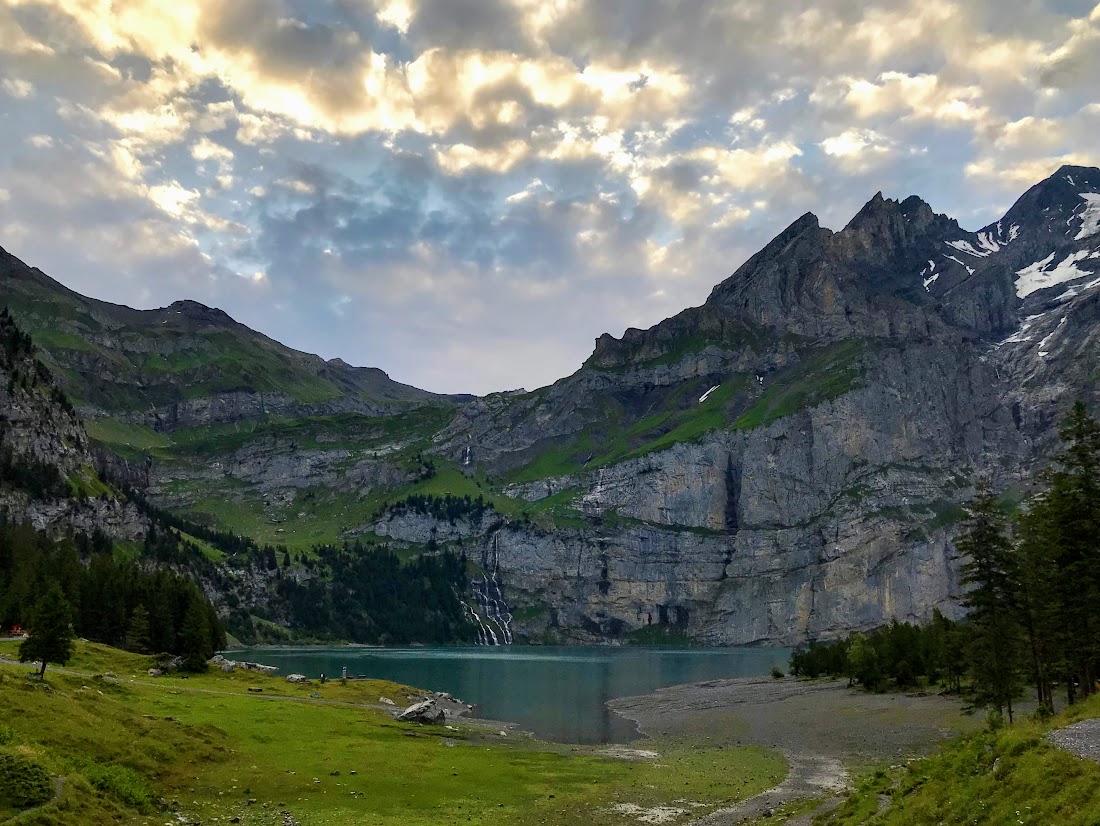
{"points": [[1032, 597], [370, 596], [110, 600], [898, 654], [447, 506]]}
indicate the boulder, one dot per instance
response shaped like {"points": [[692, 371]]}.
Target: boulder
{"points": [[297, 678], [155, 672], [228, 667], [386, 701], [425, 712]]}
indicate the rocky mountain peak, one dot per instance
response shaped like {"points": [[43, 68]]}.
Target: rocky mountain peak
{"points": [[199, 313], [1049, 204]]}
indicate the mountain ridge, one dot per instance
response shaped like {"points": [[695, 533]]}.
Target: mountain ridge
{"points": [[783, 462]]}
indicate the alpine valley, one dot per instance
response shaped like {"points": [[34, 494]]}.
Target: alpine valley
{"points": [[785, 462]]}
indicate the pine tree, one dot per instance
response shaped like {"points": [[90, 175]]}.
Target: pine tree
{"points": [[51, 631], [195, 637], [1038, 598], [137, 636], [1072, 530], [994, 640]]}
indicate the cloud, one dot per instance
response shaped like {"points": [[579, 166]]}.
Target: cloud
{"points": [[468, 193]]}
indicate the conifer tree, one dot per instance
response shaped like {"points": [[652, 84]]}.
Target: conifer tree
{"points": [[994, 644], [1072, 531], [195, 637], [137, 635], [51, 631], [1038, 599]]}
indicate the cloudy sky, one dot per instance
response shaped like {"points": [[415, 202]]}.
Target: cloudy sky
{"points": [[467, 192]]}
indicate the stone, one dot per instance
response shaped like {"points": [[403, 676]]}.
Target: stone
{"points": [[427, 711], [155, 672], [297, 678], [386, 701]]}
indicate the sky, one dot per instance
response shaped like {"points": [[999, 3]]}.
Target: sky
{"points": [[466, 193]]}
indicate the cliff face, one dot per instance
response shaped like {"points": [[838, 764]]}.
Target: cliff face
{"points": [[785, 462], [49, 472], [825, 412]]}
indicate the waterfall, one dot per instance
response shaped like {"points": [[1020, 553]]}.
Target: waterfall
{"points": [[482, 631], [467, 455], [490, 610]]}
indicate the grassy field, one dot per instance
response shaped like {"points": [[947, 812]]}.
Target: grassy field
{"points": [[204, 746], [1011, 776]]}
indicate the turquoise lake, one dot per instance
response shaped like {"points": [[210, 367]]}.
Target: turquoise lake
{"points": [[559, 693]]}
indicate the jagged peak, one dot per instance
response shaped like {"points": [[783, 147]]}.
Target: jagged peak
{"points": [[880, 209]]}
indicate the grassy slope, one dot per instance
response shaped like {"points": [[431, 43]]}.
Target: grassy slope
{"points": [[823, 374], [1010, 776], [159, 357], [209, 744]]}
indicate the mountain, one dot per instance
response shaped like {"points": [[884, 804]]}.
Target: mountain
{"points": [[48, 475], [784, 462], [185, 364]]}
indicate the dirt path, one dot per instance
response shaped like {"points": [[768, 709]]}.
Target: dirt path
{"points": [[1081, 739], [822, 728], [808, 777]]}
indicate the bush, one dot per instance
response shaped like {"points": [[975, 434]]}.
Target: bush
{"points": [[994, 721], [777, 673], [23, 784], [120, 782], [6, 735]]}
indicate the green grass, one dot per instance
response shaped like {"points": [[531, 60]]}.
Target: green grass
{"points": [[126, 436], [86, 482], [826, 374], [1010, 776], [209, 744]]}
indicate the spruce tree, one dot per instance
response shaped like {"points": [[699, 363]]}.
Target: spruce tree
{"points": [[994, 639], [195, 637], [1038, 598], [137, 635], [51, 631], [1072, 530]]}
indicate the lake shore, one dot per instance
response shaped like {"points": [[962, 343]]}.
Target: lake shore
{"points": [[827, 731]]}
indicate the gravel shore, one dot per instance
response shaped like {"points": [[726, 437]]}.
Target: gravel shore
{"points": [[824, 729]]}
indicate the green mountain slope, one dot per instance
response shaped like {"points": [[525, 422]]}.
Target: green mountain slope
{"points": [[184, 364]]}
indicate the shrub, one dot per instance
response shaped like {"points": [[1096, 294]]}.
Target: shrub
{"points": [[994, 721], [6, 735], [23, 784], [120, 782], [777, 673]]}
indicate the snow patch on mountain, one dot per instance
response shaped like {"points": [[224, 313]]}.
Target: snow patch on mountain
{"points": [[957, 261], [1090, 219], [930, 271], [968, 248], [1044, 274], [1077, 289]]}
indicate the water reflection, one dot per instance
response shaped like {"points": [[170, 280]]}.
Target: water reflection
{"points": [[558, 692]]}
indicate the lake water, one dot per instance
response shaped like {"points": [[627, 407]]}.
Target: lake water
{"points": [[559, 693]]}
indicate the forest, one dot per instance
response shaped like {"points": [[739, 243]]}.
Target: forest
{"points": [[370, 596], [123, 603]]}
